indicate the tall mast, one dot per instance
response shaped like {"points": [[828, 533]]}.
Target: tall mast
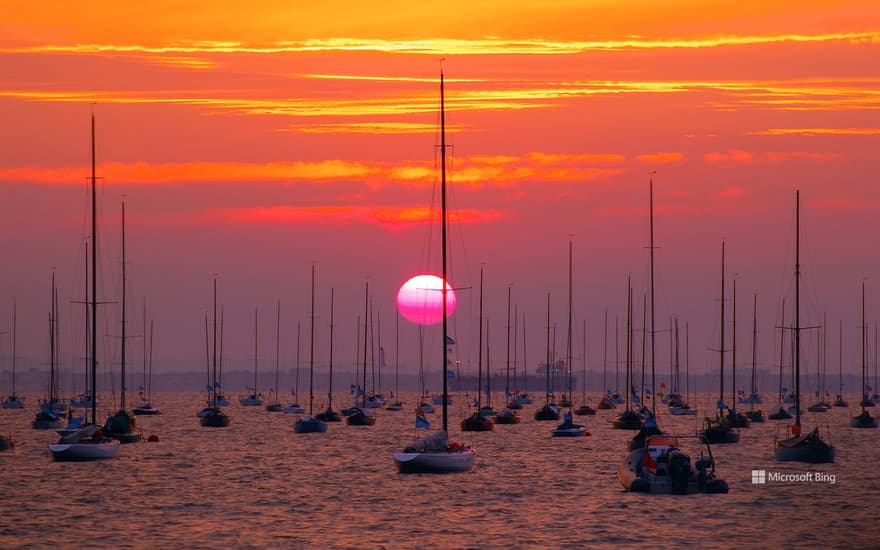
{"points": [[146, 385], [568, 359], [507, 384], [330, 393], [14, 307], [277, 348], [840, 357], [864, 344], [488, 371], [525, 359], [629, 310], [797, 310], [605, 357], [644, 339], [653, 377], [515, 334], [298, 338], [547, 362], [754, 350], [52, 321], [396, 354], [721, 349], [366, 318], [150, 379], [94, 354], [256, 346], [781, 350], [122, 358], [480, 348], [219, 376], [214, 354], [733, 350], [443, 241], [584, 361], [687, 358], [312, 346]]}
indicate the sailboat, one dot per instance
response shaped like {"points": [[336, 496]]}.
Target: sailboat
{"points": [[800, 447], [628, 419], [13, 401], [310, 424], [358, 415], [48, 417], [755, 415], [820, 405], [680, 406], [121, 425], [212, 416], [507, 414], [864, 420], [737, 420], [329, 415], [254, 399], [477, 421], [89, 443], [275, 403], [549, 411], [607, 402], [584, 409], [649, 427], [720, 429], [434, 453], [779, 412], [839, 401], [397, 405], [568, 428], [295, 407], [146, 408], [520, 397]]}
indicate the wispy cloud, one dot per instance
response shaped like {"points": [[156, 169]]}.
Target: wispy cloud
{"points": [[816, 132], [390, 216], [747, 157], [476, 170], [661, 158], [448, 46], [371, 128]]}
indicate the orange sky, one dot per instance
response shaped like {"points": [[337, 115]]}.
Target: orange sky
{"points": [[253, 139]]}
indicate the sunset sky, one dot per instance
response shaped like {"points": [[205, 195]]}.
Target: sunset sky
{"points": [[251, 140]]}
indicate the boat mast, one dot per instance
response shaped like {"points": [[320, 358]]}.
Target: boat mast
{"points": [[584, 361], [721, 349], [754, 351], [52, 321], [122, 358], [330, 393], [568, 359], [605, 358], [298, 334], [366, 318], [256, 345], [145, 390], [781, 352], [488, 370], [150, 379], [628, 340], [733, 350], [443, 290], [94, 355], [507, 384], [547, 361], [797, 310], [480, 348], [396, 351], [515, 334], [277, 348], [14, 307], [214, 354], [312, 346], [653, 343], [525, 360], [840, 357], [644, 338], [864, 344]]}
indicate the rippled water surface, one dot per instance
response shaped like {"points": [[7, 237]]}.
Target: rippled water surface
{"points": [[257, 483]]}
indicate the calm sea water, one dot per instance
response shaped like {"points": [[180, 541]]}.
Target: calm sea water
{"points": [[259, 484]]}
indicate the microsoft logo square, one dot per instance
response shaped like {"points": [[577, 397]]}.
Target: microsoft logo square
{"points": [[759, 477]]}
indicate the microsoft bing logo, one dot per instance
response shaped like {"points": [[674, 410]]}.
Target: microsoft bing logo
{"points": [[759, 477]]}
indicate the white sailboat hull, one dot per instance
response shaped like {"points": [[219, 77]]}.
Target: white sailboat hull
{"points": [[84, 451], [293, 409], [435, 461]]}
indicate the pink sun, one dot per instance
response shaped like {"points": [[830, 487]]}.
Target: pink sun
{"points": [[420, 299]]}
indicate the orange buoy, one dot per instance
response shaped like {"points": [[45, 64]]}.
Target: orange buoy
{"points": [[98, 435], [588, 434], [153, 438]]}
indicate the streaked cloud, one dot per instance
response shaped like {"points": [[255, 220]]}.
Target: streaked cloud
{"points": [[816, 132], [452, 46], [747, 157], [661, 158], [389, 216]]}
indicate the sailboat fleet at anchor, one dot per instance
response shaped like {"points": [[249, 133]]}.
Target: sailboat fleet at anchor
{"points": [[655, 462]]}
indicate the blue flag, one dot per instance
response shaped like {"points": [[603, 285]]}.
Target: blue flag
{"points": [[208, 387], [449, 341], [421, 421], [450, 373]]}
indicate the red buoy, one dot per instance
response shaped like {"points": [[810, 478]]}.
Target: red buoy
{"points": [[153, 438]]}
